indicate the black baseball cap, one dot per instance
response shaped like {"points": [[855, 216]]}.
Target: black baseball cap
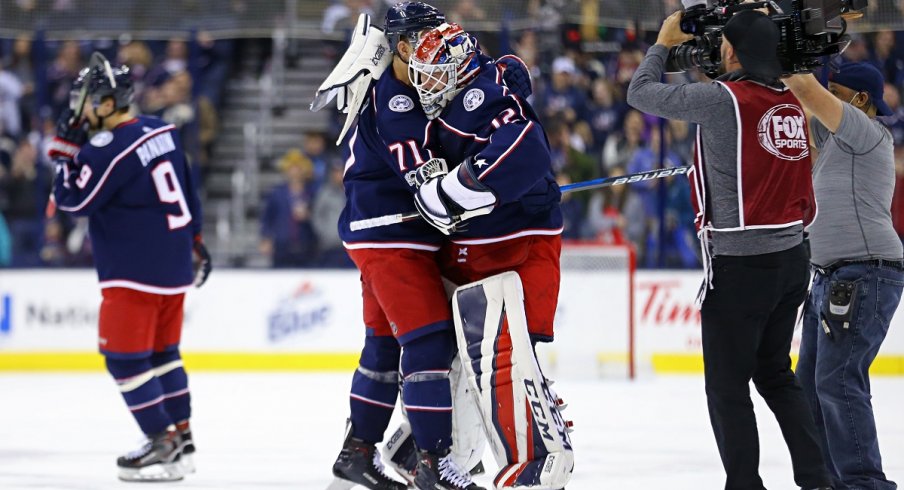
{"points": [[863, 77], [755, 39]]}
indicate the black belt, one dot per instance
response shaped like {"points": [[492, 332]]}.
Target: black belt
{"points": [[827, 270]]}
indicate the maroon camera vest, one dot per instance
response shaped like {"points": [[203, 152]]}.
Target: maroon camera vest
{"points": [[775, 187]]}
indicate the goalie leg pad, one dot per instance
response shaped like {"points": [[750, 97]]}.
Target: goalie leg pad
{"points": [[401, 454], [468, 439], [520, 413]]}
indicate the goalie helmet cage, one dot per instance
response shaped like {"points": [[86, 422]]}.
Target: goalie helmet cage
{"points": [[595, 327]]}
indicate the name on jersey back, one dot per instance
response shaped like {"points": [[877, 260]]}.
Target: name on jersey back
{"points": [[156, 146]]}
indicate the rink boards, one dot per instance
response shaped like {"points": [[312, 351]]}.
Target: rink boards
{"points": [[311, 321]]}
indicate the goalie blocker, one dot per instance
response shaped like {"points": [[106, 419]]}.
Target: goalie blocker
{"points": [[529, 438]]}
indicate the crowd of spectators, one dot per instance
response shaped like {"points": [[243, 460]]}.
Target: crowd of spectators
{"points": [[579, 78], [32, 95], [580, 97]]}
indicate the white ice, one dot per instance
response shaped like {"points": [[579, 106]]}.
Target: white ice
{"points": [[282, 431]]}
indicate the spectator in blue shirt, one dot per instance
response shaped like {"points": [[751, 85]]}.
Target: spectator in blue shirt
{"points": [[562, 97], [287, 235]]}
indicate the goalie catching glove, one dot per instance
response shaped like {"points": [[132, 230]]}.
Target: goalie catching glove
{"points": [[446, 199]]}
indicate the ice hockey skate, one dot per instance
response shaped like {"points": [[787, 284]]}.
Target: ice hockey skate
{"points": [[439, 472], [359, 463], [401, 454], [157, 460], [187, 461]]}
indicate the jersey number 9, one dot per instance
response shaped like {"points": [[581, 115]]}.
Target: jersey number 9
{"points": [[169, 191]]}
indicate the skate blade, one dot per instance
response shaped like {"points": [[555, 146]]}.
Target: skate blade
{"points": [[156, 472], [187, 464], [406, 476], [340, 484]]}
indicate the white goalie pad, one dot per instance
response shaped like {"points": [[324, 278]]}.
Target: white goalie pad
{"points": [[529, 438], [468, 440], [366, 58]]}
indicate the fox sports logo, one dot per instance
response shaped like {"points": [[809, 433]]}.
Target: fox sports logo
{"points": [[782, 132]]}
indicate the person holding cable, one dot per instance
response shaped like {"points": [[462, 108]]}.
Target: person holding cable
{"points": [[857, 257], [752, 191]]}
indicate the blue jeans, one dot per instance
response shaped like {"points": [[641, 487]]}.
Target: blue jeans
{"points": [[834, 372]]}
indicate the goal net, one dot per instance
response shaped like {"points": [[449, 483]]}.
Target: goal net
{"points": [[594, 320]]}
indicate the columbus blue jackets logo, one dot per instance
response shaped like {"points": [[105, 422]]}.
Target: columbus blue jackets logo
{"points": [[473, 98], [401, 103], [102, 139], [782, 132]]}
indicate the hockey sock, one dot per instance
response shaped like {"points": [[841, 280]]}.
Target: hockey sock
{"points": [[426, 392], [176, 397], [375, 388], [142, 391]]}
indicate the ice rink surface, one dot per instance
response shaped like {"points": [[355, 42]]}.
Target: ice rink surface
{"points": [[282, 431]]}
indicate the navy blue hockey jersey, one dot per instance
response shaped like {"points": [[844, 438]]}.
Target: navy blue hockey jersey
{"points": [[510, 156], [386, 147], [135, 186]]}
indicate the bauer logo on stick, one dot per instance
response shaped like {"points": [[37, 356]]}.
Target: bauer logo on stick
{"points": [[630, 179], [782, 132]]}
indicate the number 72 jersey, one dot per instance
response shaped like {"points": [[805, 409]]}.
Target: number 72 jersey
{"points": [[135, 186]]}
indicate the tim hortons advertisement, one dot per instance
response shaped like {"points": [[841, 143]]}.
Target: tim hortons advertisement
{"points": [[668, 322]]}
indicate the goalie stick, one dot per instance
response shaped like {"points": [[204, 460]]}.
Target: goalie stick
{"points": [[392, 219]]}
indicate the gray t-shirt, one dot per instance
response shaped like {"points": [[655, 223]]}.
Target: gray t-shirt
{"points": [[854, 180], [709, 105]]}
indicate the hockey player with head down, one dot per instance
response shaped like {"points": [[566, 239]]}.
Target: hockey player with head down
{"points": [[499, 204], [407, 316], [131, 179]]}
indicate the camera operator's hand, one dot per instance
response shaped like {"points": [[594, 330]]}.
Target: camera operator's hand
{"points": [[671, 33]]}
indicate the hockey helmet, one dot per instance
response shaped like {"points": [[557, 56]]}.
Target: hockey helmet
{"points": [[444, 62], [104, 81], [408, 19]]}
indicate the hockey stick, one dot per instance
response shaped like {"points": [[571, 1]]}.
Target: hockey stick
{"points": [[392, 219], [97, 59]]}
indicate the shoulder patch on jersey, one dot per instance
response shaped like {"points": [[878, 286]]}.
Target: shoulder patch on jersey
{"points": [[473, 98], [401, 103], [102, 139]]}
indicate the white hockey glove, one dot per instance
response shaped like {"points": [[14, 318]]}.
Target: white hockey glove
{"points": [[447, 199], [432, 169], [366, 58]]}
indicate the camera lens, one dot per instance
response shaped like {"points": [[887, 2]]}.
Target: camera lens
{"points": [[690, 21]]}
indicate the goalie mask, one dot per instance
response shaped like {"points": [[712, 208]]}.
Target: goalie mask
{"points": [[444, 61]]}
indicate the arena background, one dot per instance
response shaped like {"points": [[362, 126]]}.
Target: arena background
{"points": [[237, 77]]}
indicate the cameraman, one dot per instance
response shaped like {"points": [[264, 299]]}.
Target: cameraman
{"points": [[753, 195], [857, 256]]}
